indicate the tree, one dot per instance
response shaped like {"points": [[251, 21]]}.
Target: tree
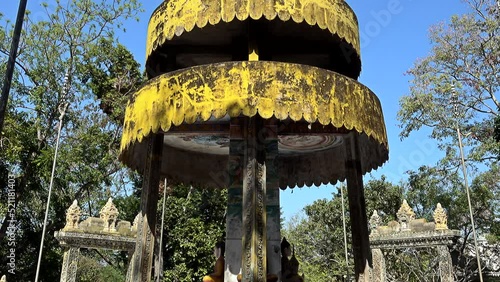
{"points": [[465, 55], [55, 83], [319, 226], [318, 234], [194, 222], [464, 61], [430, 185]]}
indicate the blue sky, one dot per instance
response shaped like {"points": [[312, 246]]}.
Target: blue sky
{"points": [[394, 33]]}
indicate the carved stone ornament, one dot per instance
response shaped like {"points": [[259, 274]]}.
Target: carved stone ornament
{"points": [[440, 218], [135, 224], [405, 215], [73, 214], [109, 213], [375, 222]]}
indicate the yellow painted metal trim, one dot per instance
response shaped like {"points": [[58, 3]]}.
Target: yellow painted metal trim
{"points": [[269, 88], [173, 17]]}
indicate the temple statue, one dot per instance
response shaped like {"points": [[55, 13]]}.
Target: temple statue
{"points": [[289, 267], [109, 214], [218, 274], [440, 218], [72, 216], [405, 216]]}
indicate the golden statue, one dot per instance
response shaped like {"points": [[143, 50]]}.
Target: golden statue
{"points": [[440, 218], [73, 214], [218, 274]]}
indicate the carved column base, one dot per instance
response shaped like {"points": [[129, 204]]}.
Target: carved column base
{"points": [[379, 270], [70, 264], [445, 264]]}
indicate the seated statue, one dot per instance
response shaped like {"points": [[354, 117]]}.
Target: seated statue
{"points": [[289, 267], [218, 274]]}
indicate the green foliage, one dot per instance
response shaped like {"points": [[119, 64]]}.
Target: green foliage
{"points": [[384, 197], [465, 53], [194, 222], [318, 233], [92, 268], [412, 265], [497, 134], [53, 58], [112, 79], [320, 226], [464, 62]]}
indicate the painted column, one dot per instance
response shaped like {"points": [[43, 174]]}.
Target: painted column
{"points": [[128, 277], [254, 239], [379, 270], [70, 264], [357, 210], [445, 264], [234, 217], [272, 199], [144, 248]]}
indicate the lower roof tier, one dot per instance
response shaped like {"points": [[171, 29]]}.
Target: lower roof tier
{"points": [[314, 111]]}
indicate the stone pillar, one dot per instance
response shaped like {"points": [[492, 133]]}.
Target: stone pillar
{"points": [[144, 248], [234, 217], [273, 201], [254, 263], [253, 149], [357, 209], [128, 277], [445, 264], [70, 264], [379, 270]]}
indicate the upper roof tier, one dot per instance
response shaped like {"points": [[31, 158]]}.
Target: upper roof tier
{"points": [[186, 33]]}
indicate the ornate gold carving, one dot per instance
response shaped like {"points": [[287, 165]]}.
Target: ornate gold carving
{"points": [[109, 214], [375, 222], [440, 218], [248, 184], [405, 215], [73, 214]]}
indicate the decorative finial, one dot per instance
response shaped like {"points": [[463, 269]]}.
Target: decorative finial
{"points": [[135, 224], [374, 222], [405, 215], [109, 213], [440, 218], [73, 214]]}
